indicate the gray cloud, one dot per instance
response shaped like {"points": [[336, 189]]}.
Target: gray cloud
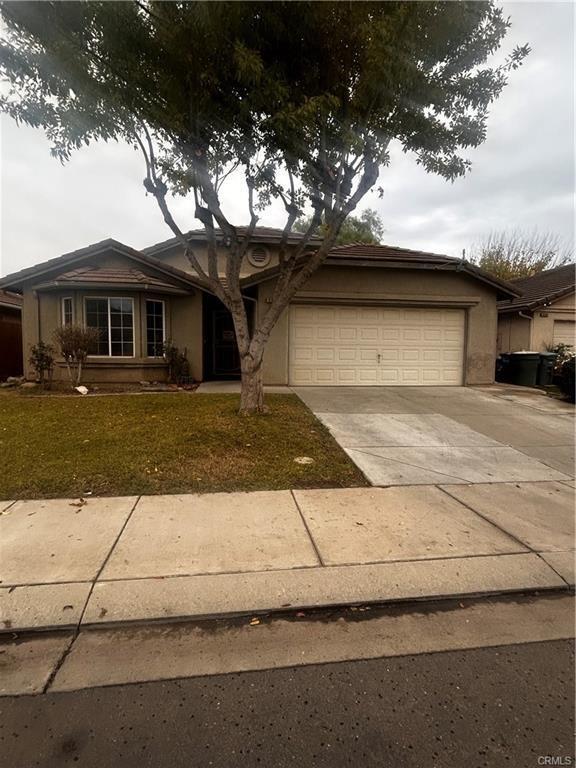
{"points": [[522, 176]]}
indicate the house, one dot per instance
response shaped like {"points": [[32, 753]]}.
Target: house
{"points": [[11, 362], [543, 316], [371, 315]]}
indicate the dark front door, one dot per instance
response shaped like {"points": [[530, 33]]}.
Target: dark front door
{"points": [[225, 357]]}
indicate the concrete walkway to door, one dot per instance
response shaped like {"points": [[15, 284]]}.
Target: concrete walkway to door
{"points": [[456, 435]]}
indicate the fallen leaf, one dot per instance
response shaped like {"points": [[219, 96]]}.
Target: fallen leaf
{"points": [[254, 622]]}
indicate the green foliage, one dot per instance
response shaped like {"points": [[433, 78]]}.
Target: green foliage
{"points": [[567, 378], [304, 85], [366, 228], [563, 352], [42, 360], [511, 255], [76, 342], [178, 365]]}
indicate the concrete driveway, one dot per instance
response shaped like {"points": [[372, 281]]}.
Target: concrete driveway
{"points": [[449, 435]]}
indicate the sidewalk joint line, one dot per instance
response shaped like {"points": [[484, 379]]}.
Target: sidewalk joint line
{"points": [[76, 632], [409, 464], [487, 519], [308, 531]]}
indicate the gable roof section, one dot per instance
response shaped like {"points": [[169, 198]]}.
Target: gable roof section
{"points": [[261, 235], [46, 269], [541, 289], [368, 255]]}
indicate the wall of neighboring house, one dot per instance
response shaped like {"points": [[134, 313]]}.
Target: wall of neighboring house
{"points": [[10, 341], [544, 318], [513, 333], [393, 286]]}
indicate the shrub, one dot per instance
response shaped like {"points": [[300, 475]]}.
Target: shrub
{"points": [[76, 343], [567, 379], [42, 360], [178, 365], [563, 353]]}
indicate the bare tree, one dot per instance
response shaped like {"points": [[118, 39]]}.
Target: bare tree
{"points": [[512, 254]]}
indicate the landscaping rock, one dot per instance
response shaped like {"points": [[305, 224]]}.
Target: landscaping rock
{"points": [[29, 385]]}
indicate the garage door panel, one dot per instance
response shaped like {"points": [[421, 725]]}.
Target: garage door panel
{"points": [[564, 332], [368, 346]]}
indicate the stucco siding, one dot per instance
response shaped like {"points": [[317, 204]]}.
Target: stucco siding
{"points": [[387, 287], [513, 333]]}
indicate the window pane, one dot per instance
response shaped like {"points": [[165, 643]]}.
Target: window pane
{"points": [[154, 328], [67, 312], [114, 326]]}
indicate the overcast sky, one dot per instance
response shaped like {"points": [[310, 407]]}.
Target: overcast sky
{"points": [[523, 176]]}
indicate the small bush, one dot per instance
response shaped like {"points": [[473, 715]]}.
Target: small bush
{"points": [[76, 343], [563, 353], [178, 365], [567, 381], [42, 360]]}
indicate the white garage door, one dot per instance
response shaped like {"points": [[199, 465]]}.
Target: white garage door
{"points": [[370, 346], [564, 332]]}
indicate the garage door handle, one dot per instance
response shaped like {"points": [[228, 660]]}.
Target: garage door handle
{"points": [[379, 357]]}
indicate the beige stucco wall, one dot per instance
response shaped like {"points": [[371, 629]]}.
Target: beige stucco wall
{"points": [[389, 287], [175, 257], [513, 333]]}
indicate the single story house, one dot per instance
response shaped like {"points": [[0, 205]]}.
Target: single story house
{"points": [[11, 363], [543, 316], [371, 315]]}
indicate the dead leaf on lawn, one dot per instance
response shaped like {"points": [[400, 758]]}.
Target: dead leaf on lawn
{"points": [[304, 460]]}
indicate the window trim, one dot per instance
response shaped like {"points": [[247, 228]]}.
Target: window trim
{"points": [[110, 356], [158, 301], [63, 300]]}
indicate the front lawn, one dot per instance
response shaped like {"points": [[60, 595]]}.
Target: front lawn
{"points": [[162, 443]]}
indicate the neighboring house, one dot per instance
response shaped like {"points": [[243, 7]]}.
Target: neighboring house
{"points": [[370, 315], [11, 362], [543, 316]]}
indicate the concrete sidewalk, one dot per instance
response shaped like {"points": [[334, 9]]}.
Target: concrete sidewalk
{"points": [[67, 563]]}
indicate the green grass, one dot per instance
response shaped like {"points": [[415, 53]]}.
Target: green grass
{"points": [[164, 443]]}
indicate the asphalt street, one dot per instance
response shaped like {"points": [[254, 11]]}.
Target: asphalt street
{"points": [[486, 708]]}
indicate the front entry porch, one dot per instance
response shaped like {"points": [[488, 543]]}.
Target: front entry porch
{"points": [[221, 358]]}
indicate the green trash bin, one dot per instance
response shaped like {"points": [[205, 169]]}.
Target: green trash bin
{"points": [[524, 368], [546, 369]]}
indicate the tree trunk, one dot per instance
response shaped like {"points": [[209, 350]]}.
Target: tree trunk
{"points": [[252, 391]]}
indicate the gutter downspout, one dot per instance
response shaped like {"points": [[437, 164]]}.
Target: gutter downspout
{"points": [[527, 317]]}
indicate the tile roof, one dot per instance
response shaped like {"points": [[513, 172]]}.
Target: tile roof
{"points": [[103, 247], [542, 288], [261, 235], [99, 275]]}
